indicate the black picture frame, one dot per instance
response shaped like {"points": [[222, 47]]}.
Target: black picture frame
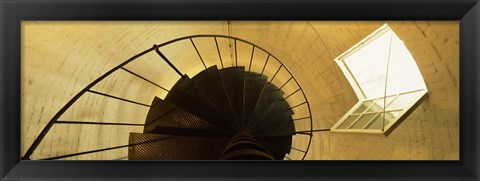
{"points": [[13, 12]]}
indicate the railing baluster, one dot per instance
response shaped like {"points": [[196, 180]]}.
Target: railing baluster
{"points": [[99, 123], [168, 61], [151, 82], [285, 83], [296, 119], [307, 131], [291, 94], [298, 105], [293, 148], [114, 97], [266, 61], [218, 50], [251, 58], [276, 73], [235, 45], [201, 59]]}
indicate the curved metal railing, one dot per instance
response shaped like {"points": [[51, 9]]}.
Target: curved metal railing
{"points": [[55, 119]]}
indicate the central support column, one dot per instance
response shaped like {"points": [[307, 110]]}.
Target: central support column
{"points": [[243, 146]]}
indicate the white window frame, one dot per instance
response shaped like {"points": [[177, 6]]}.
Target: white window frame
{"points": [[402, 113]]}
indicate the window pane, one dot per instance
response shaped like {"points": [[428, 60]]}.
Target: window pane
{"points": [[363, 121], [347, 122], [368, 66], [404, 100], [377, 122], [378, 106], [363, 106], [403, 72], [391, 115]]}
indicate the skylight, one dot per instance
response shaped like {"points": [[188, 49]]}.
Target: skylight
{"points": [[386, 80]]}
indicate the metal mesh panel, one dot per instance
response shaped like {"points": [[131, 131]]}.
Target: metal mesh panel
{"points": [[165, 147], [165, 114], [190, 99], [157, 110]]}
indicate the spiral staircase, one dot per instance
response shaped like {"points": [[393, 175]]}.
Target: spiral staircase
{"points": [[221, 113]]}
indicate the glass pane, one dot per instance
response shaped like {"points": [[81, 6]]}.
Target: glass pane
{"points": [[363, 121], [403, 100], [403, 72], [378, 106], [391, 115], [363, 106], [378, 123], [347, 121], [369, 64]]}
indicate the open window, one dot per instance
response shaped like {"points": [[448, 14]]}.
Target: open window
{"points": [[386, 80]]}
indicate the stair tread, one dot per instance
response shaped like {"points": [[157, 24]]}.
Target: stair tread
{"points": [[156, 111], [164, 114], [191, 132], [268, 100], [197, 107], [253, 86], [168, 147], [210, 84], [274, 110], [188, 86], [282, 127], [233, 80], [271, 110]]}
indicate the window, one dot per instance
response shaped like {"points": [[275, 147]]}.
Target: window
{"points": [[386, 80]]}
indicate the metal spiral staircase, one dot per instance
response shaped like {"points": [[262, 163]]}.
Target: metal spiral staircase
{"points": [[226, 112]]}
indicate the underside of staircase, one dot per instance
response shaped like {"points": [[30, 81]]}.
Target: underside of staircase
{"points": [[228, 114]]}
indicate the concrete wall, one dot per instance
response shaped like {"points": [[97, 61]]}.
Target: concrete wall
{"points": [[60, 58]]}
